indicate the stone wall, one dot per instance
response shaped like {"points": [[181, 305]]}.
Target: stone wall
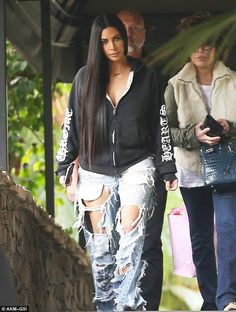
{"points": [[49, 271]]}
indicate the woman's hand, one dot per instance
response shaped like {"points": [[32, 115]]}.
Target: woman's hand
{"points": [[203, 137], [62, 181], [70, 190], [224, 123], [171, 185]]}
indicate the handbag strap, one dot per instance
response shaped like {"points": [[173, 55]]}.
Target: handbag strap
{"points": [[228, 167]]}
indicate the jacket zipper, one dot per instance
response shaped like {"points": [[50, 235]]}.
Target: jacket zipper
{"points": [[113, 138], [114, 132]]}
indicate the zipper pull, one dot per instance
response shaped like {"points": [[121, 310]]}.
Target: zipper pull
{"points": [[114, 159], [114, 111]]}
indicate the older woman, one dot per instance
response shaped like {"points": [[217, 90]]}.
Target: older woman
{"points": [[205, 85]]}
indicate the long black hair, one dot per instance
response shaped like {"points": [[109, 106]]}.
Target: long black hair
{"points": [[93, 126]]}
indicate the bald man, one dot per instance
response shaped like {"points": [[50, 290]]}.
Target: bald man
{"points": [[151, 283], [134, 24]]}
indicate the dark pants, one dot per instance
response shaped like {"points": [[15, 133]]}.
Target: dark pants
{"points": [[201, 204], [151, 283], [82, 241]]}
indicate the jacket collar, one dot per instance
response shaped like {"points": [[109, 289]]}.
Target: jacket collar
{"points": [[221, 71], [188, 72]]}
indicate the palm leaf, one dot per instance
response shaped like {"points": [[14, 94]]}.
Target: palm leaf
{"points": [[176, 52]]}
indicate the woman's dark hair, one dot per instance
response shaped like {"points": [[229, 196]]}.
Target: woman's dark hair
{"points": [[197, 19], [193, 20], [93, 126]]}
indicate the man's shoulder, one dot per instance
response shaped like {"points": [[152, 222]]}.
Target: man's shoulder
{"points": [[136, 63]]}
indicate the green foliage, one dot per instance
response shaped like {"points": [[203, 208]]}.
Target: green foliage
{"points": [[176, 52], [26, 133], [25, 103], [62, 88], [25, 124]]}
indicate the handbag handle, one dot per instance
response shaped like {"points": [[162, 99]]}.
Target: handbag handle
{"points": [[228, 167]]}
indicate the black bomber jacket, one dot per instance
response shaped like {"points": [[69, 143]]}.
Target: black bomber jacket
{"points": [[138, 127]]}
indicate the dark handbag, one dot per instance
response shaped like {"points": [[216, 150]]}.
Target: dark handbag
{"points": [[218, 163], [215, 128]]}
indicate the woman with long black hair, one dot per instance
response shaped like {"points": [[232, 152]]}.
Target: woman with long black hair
{"points": [[116, 123]]}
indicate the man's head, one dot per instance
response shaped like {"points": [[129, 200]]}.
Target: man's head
{"points": [[134, 24]]}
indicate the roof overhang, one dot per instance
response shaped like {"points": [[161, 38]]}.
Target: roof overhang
{"points": [[71, 20]]}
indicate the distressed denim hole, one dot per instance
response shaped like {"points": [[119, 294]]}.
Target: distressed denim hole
{"points": [[130, 216], [96, 215], [116, 256], [124, 269]]}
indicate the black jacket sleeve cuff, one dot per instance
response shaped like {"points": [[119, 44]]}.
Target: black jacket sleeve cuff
{"points": [[169, 177]]}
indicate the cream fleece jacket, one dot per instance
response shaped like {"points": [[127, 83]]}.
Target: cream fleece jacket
{"points": [[186, 107]]}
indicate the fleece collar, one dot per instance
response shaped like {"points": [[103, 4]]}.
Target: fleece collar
{"points": [[188, 73]]}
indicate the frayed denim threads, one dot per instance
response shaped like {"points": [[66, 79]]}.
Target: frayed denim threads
{"points": [[115, 253]]}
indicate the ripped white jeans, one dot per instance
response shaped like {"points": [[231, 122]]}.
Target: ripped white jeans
{"points": [[115, 253]]}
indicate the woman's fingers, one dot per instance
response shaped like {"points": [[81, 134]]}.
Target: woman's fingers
{"points": [[171, 185], [62, 180], [224, 123], [202, 137]]}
